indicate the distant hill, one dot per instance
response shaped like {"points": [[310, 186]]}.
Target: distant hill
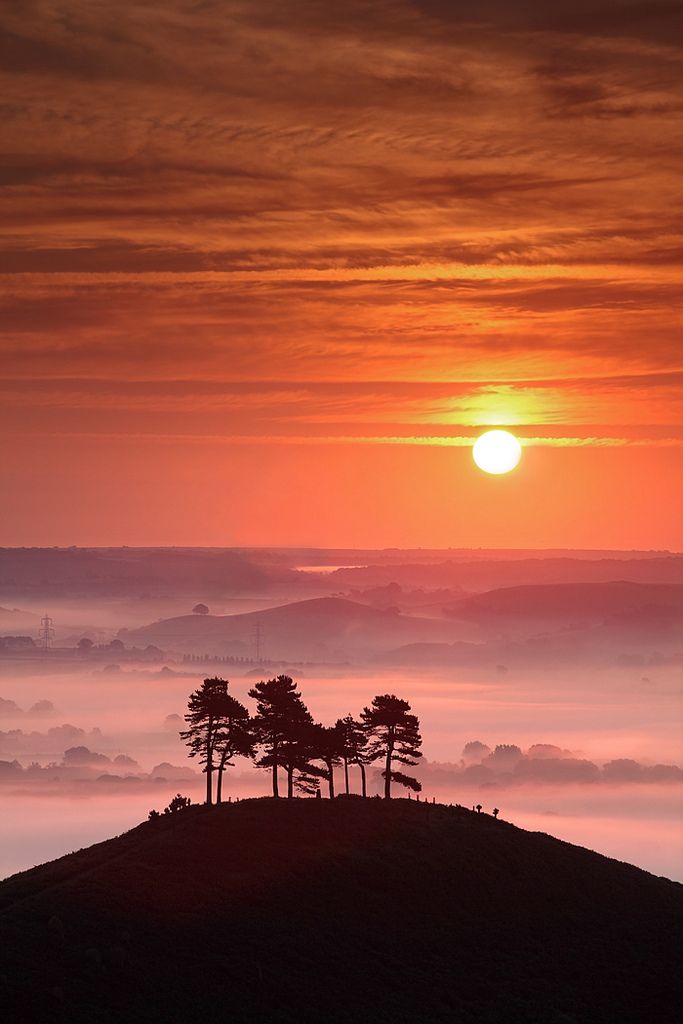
{"points": [[13, 619], [106, 572], [319, 628], [339, 912], [577, 602], [400, 556], [208, 574], [480, 573]]}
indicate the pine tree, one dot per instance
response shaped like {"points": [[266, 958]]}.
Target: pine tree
{"points": [[354, 749], [328, 747], [395, 736], [203, 715], [296, 754], [280, 717], [233, 736]]}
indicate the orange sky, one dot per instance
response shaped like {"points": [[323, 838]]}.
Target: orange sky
{"points": [[262, 259]]}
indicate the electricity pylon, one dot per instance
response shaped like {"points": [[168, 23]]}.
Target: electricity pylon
{"points": [[47, 632]]}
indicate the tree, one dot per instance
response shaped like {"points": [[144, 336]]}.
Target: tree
{"points": [[233, 736], [328, 746], [504, 757], [178, 803], [296, 754], [475, 751], [200, 609], [280, 717], [354, 749], [203, 719], [395, 736], [85, 645]]}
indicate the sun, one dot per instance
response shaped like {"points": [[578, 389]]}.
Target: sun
{"points": [[497, 451]]}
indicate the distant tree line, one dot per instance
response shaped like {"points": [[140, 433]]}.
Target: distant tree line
{"points": [[283, 737]]}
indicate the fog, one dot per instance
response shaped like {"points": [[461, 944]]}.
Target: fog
{"points": [[596, 716]]}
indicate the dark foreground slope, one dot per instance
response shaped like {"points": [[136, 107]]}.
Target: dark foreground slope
{"points": [[317, 911]]}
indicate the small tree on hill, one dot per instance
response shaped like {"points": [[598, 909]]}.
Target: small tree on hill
{"points": [[280, 717], [200, 609], [394, 736], [354, 749], [203, 719], [178, 803]]}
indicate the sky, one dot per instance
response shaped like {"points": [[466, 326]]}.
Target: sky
{"points": [[268, 268]]}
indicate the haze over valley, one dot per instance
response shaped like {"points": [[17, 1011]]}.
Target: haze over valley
{"points": [[565, 668]]}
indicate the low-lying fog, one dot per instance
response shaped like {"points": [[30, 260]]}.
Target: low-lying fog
{"points": [[627, 811]]}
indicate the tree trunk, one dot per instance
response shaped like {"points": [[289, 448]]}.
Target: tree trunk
{"points": [[330, 779], [387, 775], [290, 783], [362, 779], [276, 792], [346, 775], [220, 769], [209, 761]]}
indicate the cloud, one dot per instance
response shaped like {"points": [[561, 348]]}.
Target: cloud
{"points": [[359, 195]]}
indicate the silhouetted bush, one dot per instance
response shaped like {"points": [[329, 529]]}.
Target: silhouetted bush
{"points": [[178, 803]]}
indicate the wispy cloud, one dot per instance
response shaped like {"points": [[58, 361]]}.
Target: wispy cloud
{"points": [[406, 216]]}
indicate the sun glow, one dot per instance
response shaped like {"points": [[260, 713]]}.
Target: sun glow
{"points": [[497, 451]]}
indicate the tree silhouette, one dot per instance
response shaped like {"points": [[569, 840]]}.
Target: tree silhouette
{"points": [[280, 718], [354, 749], [178, 803], [233, 736], [203, 719], [395, 736], [296, 754], [200, 609], [328, 747]]}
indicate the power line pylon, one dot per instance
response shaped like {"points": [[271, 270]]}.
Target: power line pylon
{"points": [[47, 632], [258, 638]]}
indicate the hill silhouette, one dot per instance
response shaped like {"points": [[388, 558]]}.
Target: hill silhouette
{"points": [[480, 571], [338, 911], [301, 629], [587, 602]]}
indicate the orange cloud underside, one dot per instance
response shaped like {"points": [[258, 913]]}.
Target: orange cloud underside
{"points": [[309, 250]]}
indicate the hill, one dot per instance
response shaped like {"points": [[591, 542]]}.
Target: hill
{"points": [[581, 602], [105, 572], [319, 628], [346, 911], [479, 572]]}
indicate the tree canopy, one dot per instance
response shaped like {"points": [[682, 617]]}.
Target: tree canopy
{"points": [[220, 729], [280, 725], [394, 736]]}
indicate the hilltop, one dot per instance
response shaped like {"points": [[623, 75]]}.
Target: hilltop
{"points": [[315, 911], [331, 626]]}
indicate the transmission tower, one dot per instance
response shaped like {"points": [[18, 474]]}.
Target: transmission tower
{"points": [[47, 632], [258, 638]]}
